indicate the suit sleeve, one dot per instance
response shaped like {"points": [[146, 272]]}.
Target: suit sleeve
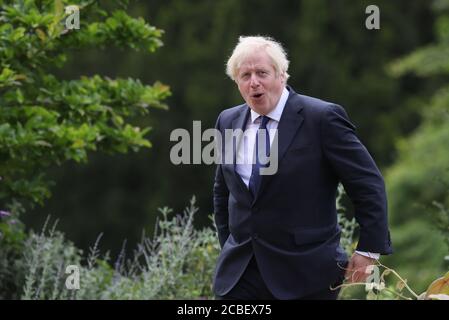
{"points": [[221, 196], [360, 177]]}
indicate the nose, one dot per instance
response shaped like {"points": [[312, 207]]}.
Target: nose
{"points": [[254, 81]]}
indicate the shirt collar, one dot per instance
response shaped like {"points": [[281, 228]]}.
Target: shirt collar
{"points": [[276, 113]]}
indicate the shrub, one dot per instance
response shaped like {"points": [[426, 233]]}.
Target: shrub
{"points": [[178, 263], [45, 120]]}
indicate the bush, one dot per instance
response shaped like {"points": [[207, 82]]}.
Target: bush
{"points": [[12, 237], [178, 263], [45, 120]]}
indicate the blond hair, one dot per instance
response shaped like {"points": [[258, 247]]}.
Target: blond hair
{"points": [[249, 45]]}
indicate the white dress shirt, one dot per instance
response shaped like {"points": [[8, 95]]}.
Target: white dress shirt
{"points": [[245, 151]]}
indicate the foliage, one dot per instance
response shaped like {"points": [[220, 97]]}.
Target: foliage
{"points": [[45, 120], [378, 287], [423, 156], [348, 226], [439, 289], [441, 218], [419, 178], [45, 260], [177, 263], [12, 237]]}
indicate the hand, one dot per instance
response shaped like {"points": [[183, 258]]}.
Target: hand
{"points": [[357, 268]]}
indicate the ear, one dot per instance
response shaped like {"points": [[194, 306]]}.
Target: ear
{"points": [[283, 77]]}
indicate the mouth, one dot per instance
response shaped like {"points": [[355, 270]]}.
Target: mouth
{"points": [[257, 95]]}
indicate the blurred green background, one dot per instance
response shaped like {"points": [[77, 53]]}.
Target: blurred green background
{"points": [[333, 57]]}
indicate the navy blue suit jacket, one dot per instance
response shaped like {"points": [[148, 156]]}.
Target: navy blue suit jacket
{"points": [[291, 225]]}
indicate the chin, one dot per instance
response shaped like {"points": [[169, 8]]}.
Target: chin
{"points": [[259, 105]]}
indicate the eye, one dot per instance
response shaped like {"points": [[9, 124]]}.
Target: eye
{"points": [[244, 75]]}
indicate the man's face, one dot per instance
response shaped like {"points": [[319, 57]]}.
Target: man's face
{"points": [[259, 84]]}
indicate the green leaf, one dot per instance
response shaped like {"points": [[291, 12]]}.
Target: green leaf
{"points": [[41, 34], [42, 143], [18, 34], [59, 7]]}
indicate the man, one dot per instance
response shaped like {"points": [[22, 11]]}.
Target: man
{"points": [[279, 233]]}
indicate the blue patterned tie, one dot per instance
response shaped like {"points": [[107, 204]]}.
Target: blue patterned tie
{"points": [[255, 178]]}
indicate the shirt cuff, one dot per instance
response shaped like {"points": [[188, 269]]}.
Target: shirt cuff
{"points": [[369, 254]]}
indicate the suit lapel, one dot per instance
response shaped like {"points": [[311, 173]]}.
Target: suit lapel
{"points": [[289, 124], [239, 123]]}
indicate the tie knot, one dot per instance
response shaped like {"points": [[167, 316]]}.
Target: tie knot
{"points": [[264, 121]]}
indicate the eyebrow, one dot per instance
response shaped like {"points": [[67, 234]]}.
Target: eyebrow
{"points": [[255, 69]]}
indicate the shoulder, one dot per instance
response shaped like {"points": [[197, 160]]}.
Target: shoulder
{"points": [[234, 111], [228, 115], [320, 112], [317, 107]]}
